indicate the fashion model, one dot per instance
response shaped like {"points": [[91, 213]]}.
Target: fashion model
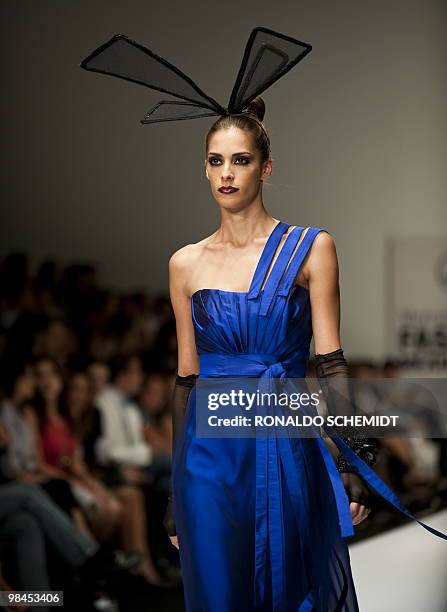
{"points": [[260, 523]]}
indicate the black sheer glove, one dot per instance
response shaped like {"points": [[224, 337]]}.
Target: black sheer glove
{"points": [[340, 402], [180, 395], [168, 521], [356, 488]]}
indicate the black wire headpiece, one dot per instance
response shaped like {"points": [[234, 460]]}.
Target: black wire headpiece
{"points": [[267, 57]]}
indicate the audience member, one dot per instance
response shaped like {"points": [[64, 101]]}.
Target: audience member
{"points": [[61, 455]]}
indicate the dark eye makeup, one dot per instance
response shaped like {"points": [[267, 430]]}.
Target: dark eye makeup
{"points": [[240, 160]]}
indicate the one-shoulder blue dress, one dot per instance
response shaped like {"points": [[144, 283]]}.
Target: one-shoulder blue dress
{"points": [[262, 522]]}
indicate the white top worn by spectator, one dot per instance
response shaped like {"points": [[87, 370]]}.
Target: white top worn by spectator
{"points": [[19, 455], [122, 438]]}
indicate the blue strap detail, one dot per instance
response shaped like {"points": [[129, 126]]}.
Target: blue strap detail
{"points": [[269, 250], [341, 499], [295, 265], [278, 270], [377, 483]]}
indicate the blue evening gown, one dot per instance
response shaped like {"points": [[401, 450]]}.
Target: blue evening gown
{"points": [[262, 523]]}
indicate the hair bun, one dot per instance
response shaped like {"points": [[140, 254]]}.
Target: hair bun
{"points": [[256, 107]]}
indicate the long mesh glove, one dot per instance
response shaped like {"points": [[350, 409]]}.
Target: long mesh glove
{"points": [[340, 402], [182, 388]]}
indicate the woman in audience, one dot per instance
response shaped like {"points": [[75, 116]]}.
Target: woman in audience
{"points": [[19, 461], [154, 402], [85, 421], [59, 453]]}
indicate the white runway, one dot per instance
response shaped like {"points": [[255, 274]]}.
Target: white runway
{"points": [[403, 570]]}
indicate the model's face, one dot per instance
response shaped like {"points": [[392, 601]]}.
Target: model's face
{"points": [[233, 161]]}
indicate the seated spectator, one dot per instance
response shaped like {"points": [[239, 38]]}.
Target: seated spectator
{"points": [[28, 521], [82, 415], [154, 402], [123, 450], [28, 516], [20, 457], [99, 376], [56, 341], [84, 418], [122, 441], [60, 454]]}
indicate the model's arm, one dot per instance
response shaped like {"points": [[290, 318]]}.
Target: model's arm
{"points": [[179, 266], [322, 273], [321, 270]]}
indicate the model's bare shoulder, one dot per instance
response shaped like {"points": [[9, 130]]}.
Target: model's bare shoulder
{"points": [[187, 256], [324, 241], [181, 259], [322, 255], [185, 260]]}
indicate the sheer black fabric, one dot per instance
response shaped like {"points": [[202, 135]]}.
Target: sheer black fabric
{"points": [[166, 110], [267, 57], [168, 521], [333, 376], [126, 59], [179, 400]]}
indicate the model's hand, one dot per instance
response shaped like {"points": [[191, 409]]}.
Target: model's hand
{"points": [[359, 496], [359, 512], [174, 541]]}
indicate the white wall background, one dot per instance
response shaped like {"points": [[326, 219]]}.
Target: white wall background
{"points": [[358, 132]]}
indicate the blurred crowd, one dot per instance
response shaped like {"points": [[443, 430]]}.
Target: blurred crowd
{"points": [[86, 378], [85, 435]]}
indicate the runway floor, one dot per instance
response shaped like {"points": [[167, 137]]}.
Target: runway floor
{"points": [[404, 569], [401, 570]]}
